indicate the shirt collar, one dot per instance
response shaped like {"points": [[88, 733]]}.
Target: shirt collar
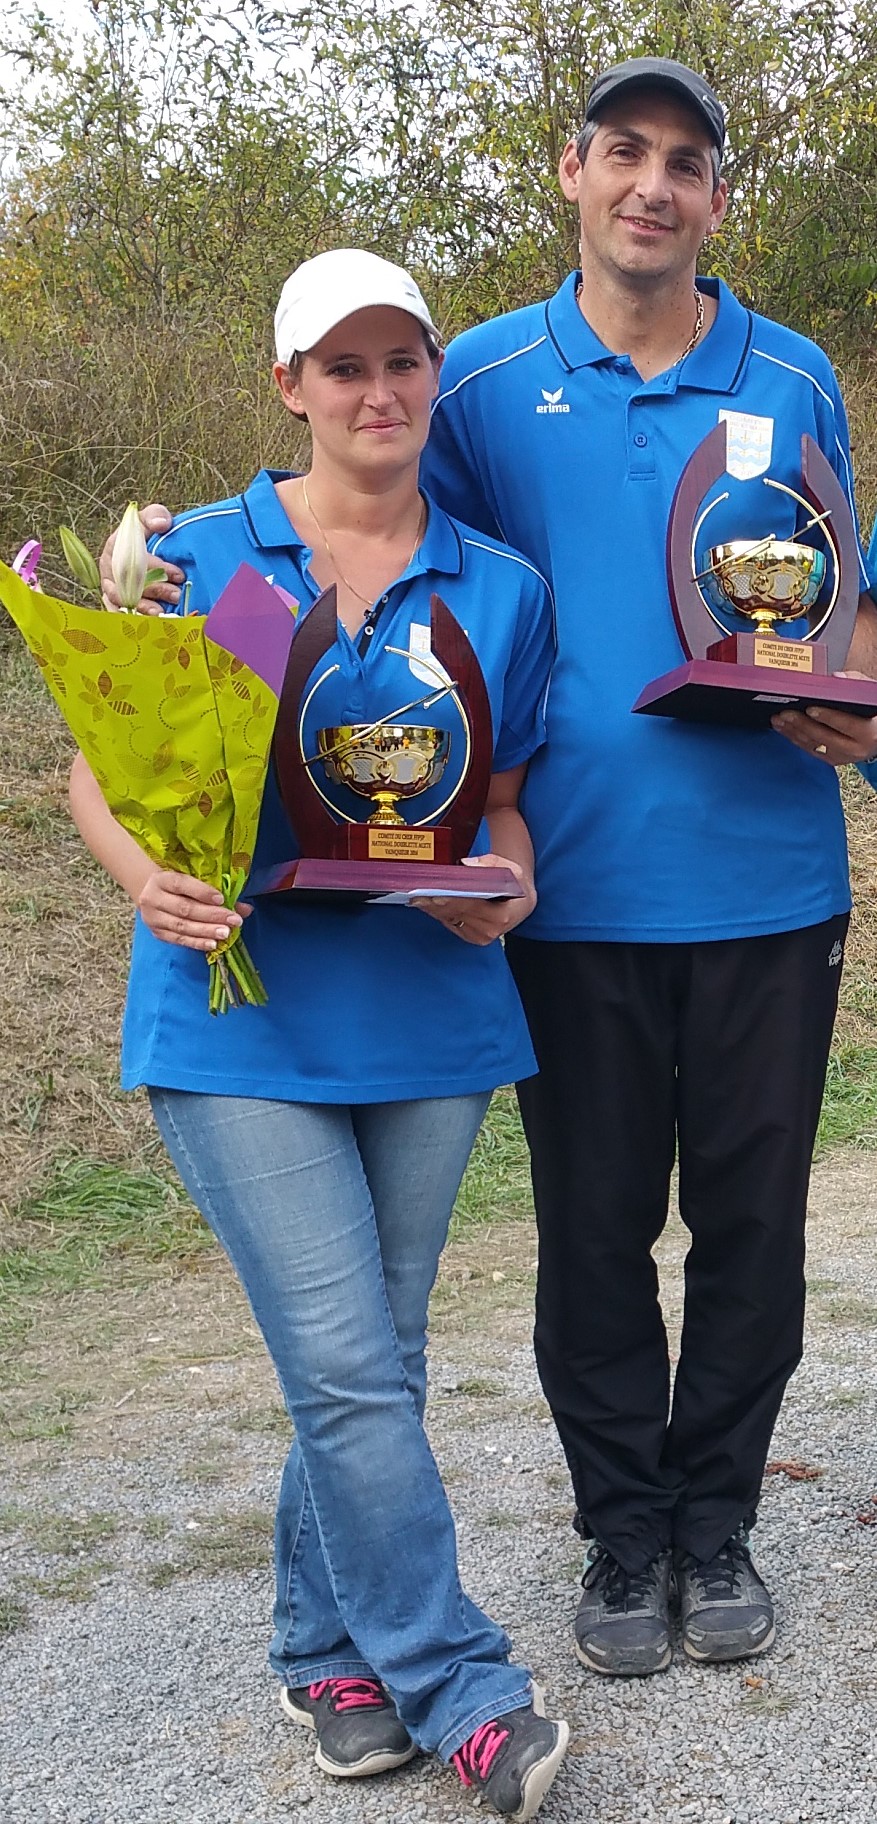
{"points": [[715, 365], [271, 529], [575, 341], [268, 523], [441, 547]]}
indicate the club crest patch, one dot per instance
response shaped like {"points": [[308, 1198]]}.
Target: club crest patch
{"points": [[750, 444]]}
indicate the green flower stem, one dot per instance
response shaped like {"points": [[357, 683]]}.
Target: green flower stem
{"points": [[234, 979]]}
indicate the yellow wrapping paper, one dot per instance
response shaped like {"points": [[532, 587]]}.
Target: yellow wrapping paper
{"points": [[176, 730]]}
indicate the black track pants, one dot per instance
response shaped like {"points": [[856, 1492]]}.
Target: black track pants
{"points": [[719, 1049]]}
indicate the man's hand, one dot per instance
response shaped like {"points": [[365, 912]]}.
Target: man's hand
{"points": [[158, 596], [184, 911], [832, 735], [482, 921]]}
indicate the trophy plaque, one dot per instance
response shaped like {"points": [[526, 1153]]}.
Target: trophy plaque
{"points": [[388, 764], [744, 677]]}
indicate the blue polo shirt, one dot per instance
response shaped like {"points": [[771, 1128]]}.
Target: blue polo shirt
{"points": [[366, 1003], [645, 829]]}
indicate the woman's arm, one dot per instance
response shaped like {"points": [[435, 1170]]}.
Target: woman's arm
{"points": [[173, 906], [481, 921], [509, 835]]}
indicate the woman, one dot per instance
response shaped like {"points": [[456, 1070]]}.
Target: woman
{"points": [[324, 1137]]}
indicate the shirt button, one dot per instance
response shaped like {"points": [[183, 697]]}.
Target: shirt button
{"points": [[640, 440], [369, 630]]}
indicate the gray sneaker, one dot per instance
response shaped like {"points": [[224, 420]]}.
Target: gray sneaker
{"points": [[512, 1761], [623, 1623], [357, 1729], [726, 1610]]}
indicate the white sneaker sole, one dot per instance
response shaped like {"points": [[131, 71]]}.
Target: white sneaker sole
{"points": [[630, 1670], [536, 1783], [381, 1761], [719, 1655]]}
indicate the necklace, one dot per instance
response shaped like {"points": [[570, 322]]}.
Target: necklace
{"points": [[694, 338], [366, 599], [696, 333]]}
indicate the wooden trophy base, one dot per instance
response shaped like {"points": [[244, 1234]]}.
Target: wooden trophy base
{"points": [[393, 882], [744, 682], [394, 863]]}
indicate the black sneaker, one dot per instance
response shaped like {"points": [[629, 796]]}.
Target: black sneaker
{"points": [[623, 1621], [512, 1761], [358, 1731], [726, 1610]]}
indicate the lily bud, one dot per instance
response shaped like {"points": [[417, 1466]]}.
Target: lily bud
{"points": [[80, 560], [130, 559]]}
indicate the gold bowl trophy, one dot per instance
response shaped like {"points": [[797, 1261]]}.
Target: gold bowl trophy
{"points": [[385, 763], [766, 580], [388, 762], [744, 678]]}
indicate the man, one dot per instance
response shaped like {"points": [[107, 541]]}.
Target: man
{"points": [[680, 973], [681, 970]]}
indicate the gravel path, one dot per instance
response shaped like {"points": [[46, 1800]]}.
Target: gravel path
{"points": [[147, 1699]]}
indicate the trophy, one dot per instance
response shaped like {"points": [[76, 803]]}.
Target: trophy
{"points": [[389, 854], [385, 762], [744, 677]]}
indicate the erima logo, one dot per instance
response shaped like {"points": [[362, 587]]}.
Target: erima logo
{"points": [[835, 954], [552, 401]]}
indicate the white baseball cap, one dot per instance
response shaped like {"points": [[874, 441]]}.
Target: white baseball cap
{"points": [[321, 292]]}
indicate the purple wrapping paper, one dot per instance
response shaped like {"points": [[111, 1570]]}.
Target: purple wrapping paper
{"points": [[255, 620]]}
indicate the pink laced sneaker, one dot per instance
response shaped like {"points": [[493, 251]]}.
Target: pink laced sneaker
{"points": [[476, 1757], [350, 1693], [512, 1761], [358, 1731]]}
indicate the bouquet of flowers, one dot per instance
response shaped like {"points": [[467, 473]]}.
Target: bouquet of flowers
{"points": [[176, 727]]}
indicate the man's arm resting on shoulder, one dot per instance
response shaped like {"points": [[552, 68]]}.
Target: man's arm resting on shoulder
{"points": [[843, 738]]}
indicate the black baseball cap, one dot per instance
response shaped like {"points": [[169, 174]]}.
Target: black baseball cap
{"points": [[660, 73]]}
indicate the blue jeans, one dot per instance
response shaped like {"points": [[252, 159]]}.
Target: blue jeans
{"points": [[334, 1218]]}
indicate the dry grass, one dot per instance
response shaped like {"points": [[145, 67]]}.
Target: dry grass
{"points": [[859, 387], [134, 410], [858, 1016], [63, 946]]}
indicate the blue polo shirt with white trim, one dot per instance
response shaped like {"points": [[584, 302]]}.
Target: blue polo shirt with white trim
{"points": [[645, 829], [366, 1003]]}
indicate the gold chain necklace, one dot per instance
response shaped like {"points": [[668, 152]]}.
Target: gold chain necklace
{"points": [[366, 599], [694, 338], [696, 333]]}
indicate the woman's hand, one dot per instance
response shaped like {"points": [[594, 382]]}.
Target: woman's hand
{"points": [[184, 911], [482, 921]]}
